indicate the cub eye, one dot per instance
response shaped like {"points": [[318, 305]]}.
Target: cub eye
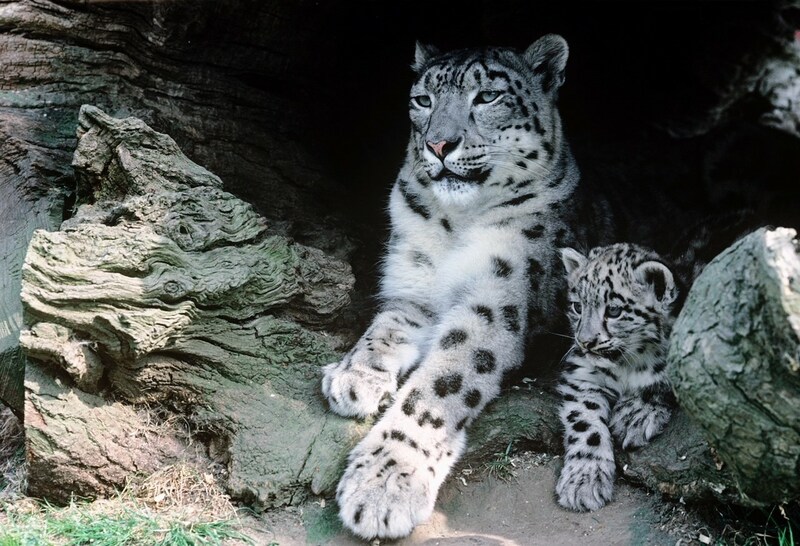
{"points": [[423, 101], [613, 311], [575, 307], [485, 97]]}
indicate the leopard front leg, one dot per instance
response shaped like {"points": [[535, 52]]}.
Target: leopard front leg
{"points": [[394, 474], [587, 477], [367, 375], [638, 418]]}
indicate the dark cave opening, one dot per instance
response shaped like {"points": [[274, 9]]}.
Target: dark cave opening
{"points": [[660, 97]]}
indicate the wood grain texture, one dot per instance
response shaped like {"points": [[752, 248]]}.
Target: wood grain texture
{"points": [[165, 291]]}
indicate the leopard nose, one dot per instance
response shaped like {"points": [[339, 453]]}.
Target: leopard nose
{"points": [[443, 147], [586, 343]]}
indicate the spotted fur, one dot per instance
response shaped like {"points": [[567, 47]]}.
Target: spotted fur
{"points": [[613, 382], [471, 269]]}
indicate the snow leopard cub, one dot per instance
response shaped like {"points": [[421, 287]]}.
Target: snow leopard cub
{"points": [[621, 307]]}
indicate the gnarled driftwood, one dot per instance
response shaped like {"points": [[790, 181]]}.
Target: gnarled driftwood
{"points": [[166, 290]]}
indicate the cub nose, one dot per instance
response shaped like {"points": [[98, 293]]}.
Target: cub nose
{"points": [[443, 147]]}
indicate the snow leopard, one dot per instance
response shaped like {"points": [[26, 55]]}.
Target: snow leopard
{"points": [[613, 385], [471, 272]]}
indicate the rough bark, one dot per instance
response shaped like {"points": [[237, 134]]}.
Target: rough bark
{"points": [[734, 357], [82, 444], [166, 291], [20, 214], [33, 172], [213, 74]]}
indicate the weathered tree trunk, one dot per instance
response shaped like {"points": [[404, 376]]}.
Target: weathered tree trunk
{"points": [[213, 74], [735, 361], [167, 291]]}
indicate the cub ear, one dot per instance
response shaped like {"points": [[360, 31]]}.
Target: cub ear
{"points": [[572, 259], [660, 280], [548, 57], [423, 54]]}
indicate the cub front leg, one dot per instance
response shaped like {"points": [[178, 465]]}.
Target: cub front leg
{"points": [[638, 418], [394, 474], [587, 477], [357, 385]]}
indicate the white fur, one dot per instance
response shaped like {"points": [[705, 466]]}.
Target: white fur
{"points": [[454, 289], [455, 194], [603, 397]]}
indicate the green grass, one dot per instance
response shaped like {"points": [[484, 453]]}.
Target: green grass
{"points": [[786, 536], [501, 467], [758, 527], [118, 522]]}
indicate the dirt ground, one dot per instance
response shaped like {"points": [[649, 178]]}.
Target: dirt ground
{"points": [[477, 509]]}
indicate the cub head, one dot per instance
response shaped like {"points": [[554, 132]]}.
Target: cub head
{"points": [[621, 299], [480, 115]]}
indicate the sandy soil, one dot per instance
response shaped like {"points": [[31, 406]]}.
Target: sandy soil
{"points": [[477, 509]]}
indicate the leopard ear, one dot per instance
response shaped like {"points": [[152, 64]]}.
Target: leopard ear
{"points": [[548, 58], [572, 259], [423, 54], [659, 278]]}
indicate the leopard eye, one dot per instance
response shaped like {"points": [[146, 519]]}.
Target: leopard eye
{"points": [[575, 307], [423, 101], [486, 97], [613, 311]]}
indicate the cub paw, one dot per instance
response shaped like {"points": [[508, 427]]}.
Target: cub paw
{"points": [[585, 484], [385, 491], [354, 390], [634, 427]]}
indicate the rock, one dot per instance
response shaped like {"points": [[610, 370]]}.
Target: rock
{"points": [[734, 358], [165, 291]]}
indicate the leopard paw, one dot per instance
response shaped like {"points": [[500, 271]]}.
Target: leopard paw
{"points": [[386, 491], [354, 390], [635, 427], [585, 484]]}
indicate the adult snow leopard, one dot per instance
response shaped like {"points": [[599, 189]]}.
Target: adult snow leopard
{"points": [[614, 384], [477, 215]]}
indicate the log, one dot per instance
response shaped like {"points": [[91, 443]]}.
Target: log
{"points": [[734, 358], [681, 465], [165, 291]]}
